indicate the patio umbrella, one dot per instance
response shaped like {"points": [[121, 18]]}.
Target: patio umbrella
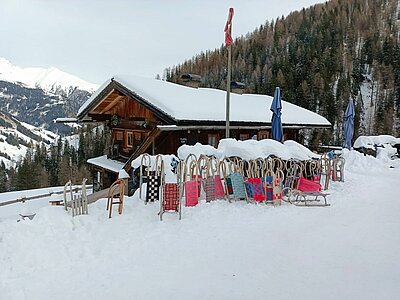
{"points": [[348, 124], [276, 107]]}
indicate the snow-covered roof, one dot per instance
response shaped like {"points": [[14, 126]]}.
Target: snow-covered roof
{"points": [[66, 120], [106, 163], [205, 104]]}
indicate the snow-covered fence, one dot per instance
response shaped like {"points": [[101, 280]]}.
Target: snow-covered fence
{"points": [[24, 199]]}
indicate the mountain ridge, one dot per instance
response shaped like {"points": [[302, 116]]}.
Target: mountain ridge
{"points": [[52, 80], [38, 96]]}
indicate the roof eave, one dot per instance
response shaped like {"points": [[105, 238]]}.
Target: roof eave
{"points": [[84, 115], [251, 123]]}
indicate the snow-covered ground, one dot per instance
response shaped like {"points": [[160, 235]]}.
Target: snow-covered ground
{"points": [[218, 250]]}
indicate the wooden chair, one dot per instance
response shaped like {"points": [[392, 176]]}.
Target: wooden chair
{"points": [[116, 196]]}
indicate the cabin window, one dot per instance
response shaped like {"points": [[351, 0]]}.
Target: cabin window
{"points": [[263, 134], [243, 136], [213, 140], [129, 139]]}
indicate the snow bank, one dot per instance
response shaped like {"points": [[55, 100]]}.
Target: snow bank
{"points": [[170, 176], [250, 149], [372, 141], [360, 163], [385, 153], [299, 150], [185, 150]]}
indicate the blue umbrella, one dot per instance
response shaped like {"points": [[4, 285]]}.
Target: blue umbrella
{"points": [[349, 124], [276, 107]]}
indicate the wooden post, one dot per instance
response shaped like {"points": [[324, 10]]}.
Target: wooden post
{"points": [[84, 197]]}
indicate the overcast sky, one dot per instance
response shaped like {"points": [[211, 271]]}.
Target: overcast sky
{"points": [[95, 39]]}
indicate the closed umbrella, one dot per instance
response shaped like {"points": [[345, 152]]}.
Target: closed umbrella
{"points": [[276, 107], [348, 131]]}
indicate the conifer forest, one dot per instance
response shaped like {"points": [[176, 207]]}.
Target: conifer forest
{"points": [[320, 57]]}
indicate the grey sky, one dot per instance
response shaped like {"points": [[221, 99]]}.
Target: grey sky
{"points": [[94, 39]]}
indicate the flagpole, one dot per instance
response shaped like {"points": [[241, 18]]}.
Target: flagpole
{"points": [[228, 91], [228, 43]]}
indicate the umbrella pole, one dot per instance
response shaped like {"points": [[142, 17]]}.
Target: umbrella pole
{"points": [[228, 91]]}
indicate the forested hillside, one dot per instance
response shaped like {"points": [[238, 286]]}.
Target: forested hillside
{"points": [[53, 166], [320, 57]]}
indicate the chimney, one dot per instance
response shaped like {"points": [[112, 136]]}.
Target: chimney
{"points": [[191, 80], [237, 87]]}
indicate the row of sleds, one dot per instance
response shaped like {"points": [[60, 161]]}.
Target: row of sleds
{"points": [[262, 181]]}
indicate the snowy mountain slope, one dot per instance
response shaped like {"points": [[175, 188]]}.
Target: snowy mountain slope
{"points": [[51, 80], [38, 96], [219, 250], [38, 108], [16, 137]]}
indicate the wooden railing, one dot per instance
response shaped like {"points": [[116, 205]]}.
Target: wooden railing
{"points": [[24, 198], [146, 143]]}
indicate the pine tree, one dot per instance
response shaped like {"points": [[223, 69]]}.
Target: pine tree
{"points": [[3, 177]]}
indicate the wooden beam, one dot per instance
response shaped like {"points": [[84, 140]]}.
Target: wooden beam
{"points": [[98, 104], [114, 102], [99, 118]]}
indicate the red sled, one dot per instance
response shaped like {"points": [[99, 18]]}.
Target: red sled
{"points": [[306, 185]]}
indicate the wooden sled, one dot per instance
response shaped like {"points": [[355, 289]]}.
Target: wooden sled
{"points": [[300, 191], [305, 199], [116, 196]]}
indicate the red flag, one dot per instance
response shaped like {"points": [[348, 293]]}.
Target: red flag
{"points": [[228, 28]]}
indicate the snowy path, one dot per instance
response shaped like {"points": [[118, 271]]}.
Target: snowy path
{"points": [[217, 251]]}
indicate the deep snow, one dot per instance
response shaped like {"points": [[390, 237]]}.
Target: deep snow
{"points": [[218, 250]]}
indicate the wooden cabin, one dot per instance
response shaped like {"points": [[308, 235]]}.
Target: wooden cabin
{"points": [[154, 116]]}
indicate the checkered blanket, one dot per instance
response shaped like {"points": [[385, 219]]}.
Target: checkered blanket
{"points": [[257, 188], [249, 188], [153, 186], [209, 187]]}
